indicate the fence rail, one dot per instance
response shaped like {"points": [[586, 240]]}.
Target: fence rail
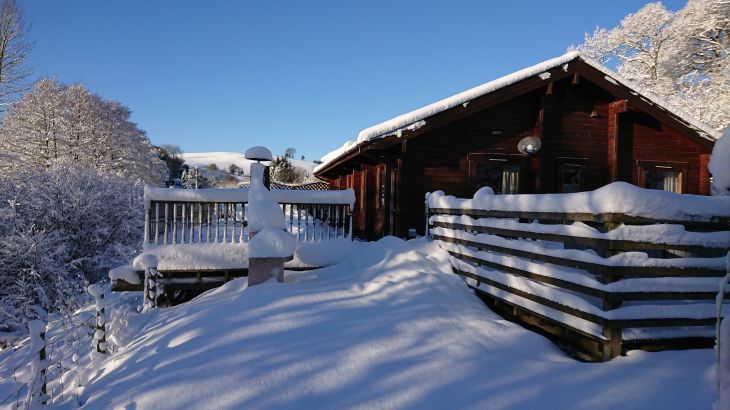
{"points": [[220, 216], [601, 282]]}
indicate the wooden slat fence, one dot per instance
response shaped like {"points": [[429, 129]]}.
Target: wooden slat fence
{"points": [[598, 293]]}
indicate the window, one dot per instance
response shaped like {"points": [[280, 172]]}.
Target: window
{"points": [[571, 174], [500, 172], [665, 176]]}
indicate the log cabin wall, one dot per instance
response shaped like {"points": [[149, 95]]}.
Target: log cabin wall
{"points": [[575, 130], [581, 124], [642, 139]]}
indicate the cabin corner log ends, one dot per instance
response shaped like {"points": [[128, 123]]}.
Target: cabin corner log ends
{"points": [[591, 292]]}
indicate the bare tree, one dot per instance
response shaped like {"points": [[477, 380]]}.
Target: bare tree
{"points": [[14, 49]]}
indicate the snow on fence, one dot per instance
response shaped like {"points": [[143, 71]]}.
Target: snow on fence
{"points": [[606, 270], [176, 216]]}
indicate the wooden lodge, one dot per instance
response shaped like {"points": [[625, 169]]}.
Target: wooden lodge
{"points": [[593, 128]]}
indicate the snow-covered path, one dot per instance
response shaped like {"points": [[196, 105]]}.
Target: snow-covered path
{"points": [[387, 329]]}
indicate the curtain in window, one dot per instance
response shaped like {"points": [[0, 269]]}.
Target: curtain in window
{"points": [[511, 180]]}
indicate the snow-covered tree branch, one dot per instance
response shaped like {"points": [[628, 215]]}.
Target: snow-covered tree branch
{"points": [[58, 122], [681, 56]]}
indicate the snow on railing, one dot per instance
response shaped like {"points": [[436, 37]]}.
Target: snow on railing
{"points": [[618, 201], [177, 216], [617, 265]]}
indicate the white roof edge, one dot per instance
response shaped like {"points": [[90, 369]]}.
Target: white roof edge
{"points": [[410, 119]]}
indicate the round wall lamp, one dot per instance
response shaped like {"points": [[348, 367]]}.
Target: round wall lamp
{"points": [[529, 145]]}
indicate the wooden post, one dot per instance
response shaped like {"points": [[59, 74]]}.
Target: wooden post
{"points": [[42, 359], [200, 223], [183, 220], [153, 286], [704, 188], [614, 109], [37, 331], [165, 240], [612, 347], [99, 340], [174, 223], [147, 225], [157, 223], [262, 269], [349, 233]]}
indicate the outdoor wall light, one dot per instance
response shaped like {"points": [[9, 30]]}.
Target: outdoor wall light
{"points": [[529, 145]]}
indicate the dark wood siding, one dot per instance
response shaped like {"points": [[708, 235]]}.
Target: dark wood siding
{"points": [[581, 124]]}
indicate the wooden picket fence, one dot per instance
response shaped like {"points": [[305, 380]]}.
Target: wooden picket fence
{"points": [[592, 290], [179, 222]]}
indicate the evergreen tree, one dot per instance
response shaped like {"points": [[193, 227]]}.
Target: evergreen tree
{"points": [[282, 170]]}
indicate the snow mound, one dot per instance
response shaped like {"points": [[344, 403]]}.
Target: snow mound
{"points": [[125, 273], [719, 165], [390, 327], [272, 243], [146, 260]]}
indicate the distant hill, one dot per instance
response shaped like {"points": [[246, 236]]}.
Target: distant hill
{"points": [[223, 161]]}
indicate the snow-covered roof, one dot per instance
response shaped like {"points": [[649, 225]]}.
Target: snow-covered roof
{"points": [[418, 118]]}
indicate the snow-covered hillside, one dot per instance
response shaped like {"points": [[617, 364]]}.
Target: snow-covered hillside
{"points": [[223, 161], [388, 328]]}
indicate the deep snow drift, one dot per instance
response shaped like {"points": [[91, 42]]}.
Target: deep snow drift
{"points": [[387, 329]]}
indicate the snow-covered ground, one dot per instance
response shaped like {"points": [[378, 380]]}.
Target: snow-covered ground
{"points": [[223, 161], [388, 328]]}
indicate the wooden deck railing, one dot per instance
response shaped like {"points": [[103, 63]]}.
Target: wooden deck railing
{"points": [[220, 215], [607, 283]]}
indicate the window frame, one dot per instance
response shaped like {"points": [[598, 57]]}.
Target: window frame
{"points": [[573, 162], [510, 160], [681, 167]]}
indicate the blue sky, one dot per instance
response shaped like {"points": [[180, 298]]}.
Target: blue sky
{"points": [[223, 76]]}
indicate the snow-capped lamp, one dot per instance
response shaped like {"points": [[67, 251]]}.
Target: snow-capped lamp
{"points": [[529, 145], [258, 171], [258, 154], [269, 245]]}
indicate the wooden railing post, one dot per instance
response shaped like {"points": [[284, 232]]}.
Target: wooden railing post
{"points": [[427, 230], [37, 391], [146, 223], [612, 347], [153, 284]]}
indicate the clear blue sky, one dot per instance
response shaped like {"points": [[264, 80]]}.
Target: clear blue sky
{"points": [[223, 76]]}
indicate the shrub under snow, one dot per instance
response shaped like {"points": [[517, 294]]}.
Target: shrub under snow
{"points": [[61, 228]]}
